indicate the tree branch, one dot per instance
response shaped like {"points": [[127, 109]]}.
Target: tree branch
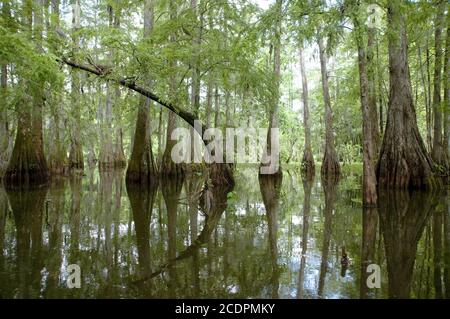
{"points": [[130, 84]]}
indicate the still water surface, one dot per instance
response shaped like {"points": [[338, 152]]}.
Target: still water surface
{"points": [[181, 239]]}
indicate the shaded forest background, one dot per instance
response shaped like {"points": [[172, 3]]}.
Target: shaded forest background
{"points": [[340, 89]]}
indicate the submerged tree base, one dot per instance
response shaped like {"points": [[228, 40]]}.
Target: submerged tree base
{"points": [[308, 168], [406, 165], [26, 167], [330, 170]]}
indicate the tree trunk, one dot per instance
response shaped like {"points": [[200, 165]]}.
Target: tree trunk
{"points": [[447, 98], [196, 81], [28, 164], [308, 166], [195, 87], [76, 162], [425, 93], [5, 131], [380, 94], [429, 103], [372, 94], [330, 164], [4, 127], [369, 153], [404, 161], [209, 96], [273, 113], [369, 113], [142, 167], [120, 161], [106, 156], [168, 166], [57, 156], [438, 151], [216, 106]]}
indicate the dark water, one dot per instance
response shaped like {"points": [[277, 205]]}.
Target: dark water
{"points": [[266, 238]]}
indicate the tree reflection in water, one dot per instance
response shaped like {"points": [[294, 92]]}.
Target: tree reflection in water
{"points": [[403, 216], [187, 239]]}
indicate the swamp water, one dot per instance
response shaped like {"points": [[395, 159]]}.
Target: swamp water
{"points": [[180, 239]]}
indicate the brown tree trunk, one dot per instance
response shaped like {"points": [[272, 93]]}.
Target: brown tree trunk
{"points": [[369, 153], [308, 166], [168, 166], [5, 131], [120, 161], [216, 106], [28, 164], [106, 154], [76, 161], [425, 93], [447, 98], [438, 151], [330, 169], [142, 167], [429, 102], [4, 126], [209, 96], [380, 94], [404, 161], [57, 150], [273, 113], [195, 87], [368, 107], [372, 94]]}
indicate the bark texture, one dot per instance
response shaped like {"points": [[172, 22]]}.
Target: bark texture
{"points": [[308, 166], [330, 169], [273, 113], [437, 152], [403, 161], [28, 164], [76, 162]]}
